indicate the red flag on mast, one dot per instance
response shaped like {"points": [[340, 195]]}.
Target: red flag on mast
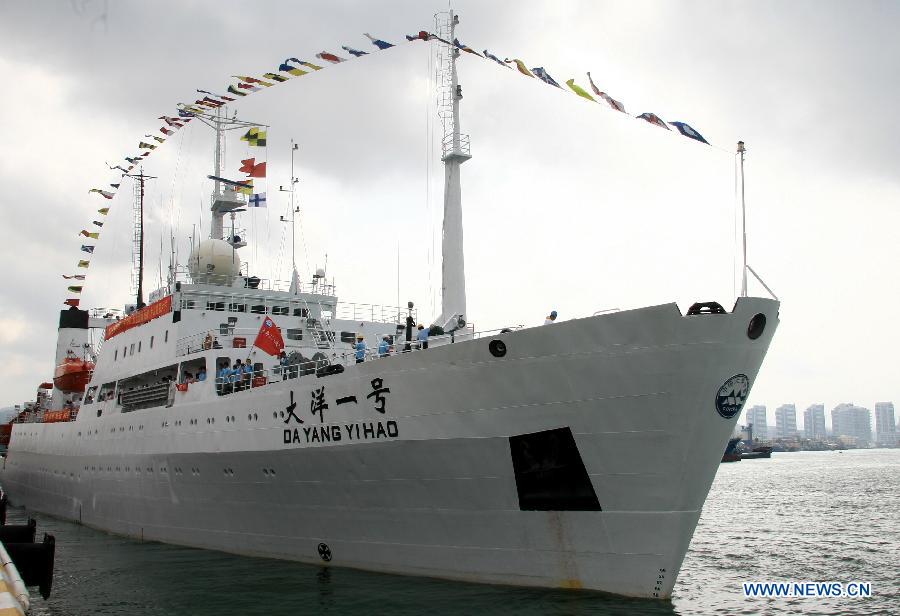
{"points": [[254, 170], [269, 338]]}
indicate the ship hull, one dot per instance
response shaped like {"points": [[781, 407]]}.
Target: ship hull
{"points": [[455, 479]]}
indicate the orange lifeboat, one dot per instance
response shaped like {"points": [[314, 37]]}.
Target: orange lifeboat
{"points": [[73, 374]]}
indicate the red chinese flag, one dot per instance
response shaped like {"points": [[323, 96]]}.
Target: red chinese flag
{"points": [[72, 302], [269, 338]]}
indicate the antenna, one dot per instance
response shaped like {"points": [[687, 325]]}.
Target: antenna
{"points": [[295, 281], [137, 250], [741, 149]]}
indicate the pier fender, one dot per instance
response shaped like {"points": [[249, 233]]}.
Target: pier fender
{"points": [[324, 552]]}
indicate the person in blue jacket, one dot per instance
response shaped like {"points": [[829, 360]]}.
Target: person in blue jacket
{"points": [[247, 376], [422, 336], [360, 350], [384, 347], [223, 378]]}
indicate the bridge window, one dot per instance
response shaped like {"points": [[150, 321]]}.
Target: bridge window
{"points": [[295, 334], [279, 309]]}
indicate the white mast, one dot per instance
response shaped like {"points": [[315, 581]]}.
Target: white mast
{"points": [[224, 198], [741, 149], [295, 277], [455, 148], [216, 229]]}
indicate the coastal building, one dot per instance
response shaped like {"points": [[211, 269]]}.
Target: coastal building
{"points": [[756, 416], [885, 428], [786, 421], [849, 420], [814, 421]]}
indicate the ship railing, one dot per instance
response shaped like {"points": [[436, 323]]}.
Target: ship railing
{"points": [[228, 337], [288, 371], [260, 377], [371, 312], [297, 306], [253, 282]]}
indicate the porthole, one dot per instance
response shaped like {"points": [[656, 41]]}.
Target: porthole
{"points": [[497, 348], [757, 326]]}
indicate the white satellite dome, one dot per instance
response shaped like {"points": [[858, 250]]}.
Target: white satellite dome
{"points": [[214, 262]]}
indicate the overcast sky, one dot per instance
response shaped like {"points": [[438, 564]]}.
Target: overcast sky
{"points": [[567, 204]]}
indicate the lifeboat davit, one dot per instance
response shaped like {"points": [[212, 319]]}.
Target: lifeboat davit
{"points": [[73, 374]]}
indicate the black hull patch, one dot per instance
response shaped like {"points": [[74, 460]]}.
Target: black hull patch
{"points": [[550, 475]]}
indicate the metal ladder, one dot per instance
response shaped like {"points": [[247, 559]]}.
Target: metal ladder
{"points": [[320, 334]]}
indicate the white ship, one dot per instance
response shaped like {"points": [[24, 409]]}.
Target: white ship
{"points": [[573, 455]]}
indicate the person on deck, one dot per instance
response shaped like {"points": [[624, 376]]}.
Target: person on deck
{"points": [[237, 372], [550, 320], [247, 376], [201, 375], [283, 365], [360, 350], [223, 379], [422, 336], [384, 347]]}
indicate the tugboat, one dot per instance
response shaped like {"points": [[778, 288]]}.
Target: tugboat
{"points": [[731, 454]]}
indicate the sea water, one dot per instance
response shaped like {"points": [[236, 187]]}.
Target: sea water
{"points": [[797, 517]]}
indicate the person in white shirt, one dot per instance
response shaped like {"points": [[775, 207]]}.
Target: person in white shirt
{"points": [[551, 319]]}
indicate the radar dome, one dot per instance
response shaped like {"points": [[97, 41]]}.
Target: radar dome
{"points": [[214, 262]]}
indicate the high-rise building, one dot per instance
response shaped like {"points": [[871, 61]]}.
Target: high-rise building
{"points": [[814, 421], [885, 428], [756, 415], [855, 422], [786, 421]]}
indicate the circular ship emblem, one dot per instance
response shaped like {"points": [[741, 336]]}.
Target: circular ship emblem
{"points": [[731, 396]]}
